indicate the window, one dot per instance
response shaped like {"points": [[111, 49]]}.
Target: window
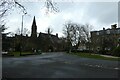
{"points": [[108, 31], [97, 33], [118, 31], [118, 39]]}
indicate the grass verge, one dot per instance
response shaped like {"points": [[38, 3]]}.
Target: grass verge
{"points": [[90, 55], [17, 54]]}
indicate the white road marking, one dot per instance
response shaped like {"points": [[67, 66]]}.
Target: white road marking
{"points": [[116, 68]]}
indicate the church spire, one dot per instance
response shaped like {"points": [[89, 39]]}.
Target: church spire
{"points": [[34, 28], [34, 21]]}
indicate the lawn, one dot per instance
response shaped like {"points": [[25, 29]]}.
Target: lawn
{"points": [[98, 56], [18, 53]]}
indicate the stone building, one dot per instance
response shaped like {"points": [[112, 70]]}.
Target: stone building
{"points": [[43, 41], [106, 39]]}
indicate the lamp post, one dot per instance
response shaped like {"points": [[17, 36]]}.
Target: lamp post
{"points": [[22, 25], [21, 34]]}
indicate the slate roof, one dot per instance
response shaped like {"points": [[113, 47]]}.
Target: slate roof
{"points": [[107, 31], [53, 38]]}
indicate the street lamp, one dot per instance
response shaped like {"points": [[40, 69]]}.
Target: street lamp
{"points": [[21, 34], [22, 25]]}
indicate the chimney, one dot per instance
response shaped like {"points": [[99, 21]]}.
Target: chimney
{"points": [[113, 26], [15, 35], [57, 34], [26, 35], [103, 28]]}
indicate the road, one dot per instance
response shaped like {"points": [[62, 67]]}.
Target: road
{"points": [[58, 65]]}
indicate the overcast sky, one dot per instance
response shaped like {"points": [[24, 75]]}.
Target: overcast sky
{"points": [[98, 14]]}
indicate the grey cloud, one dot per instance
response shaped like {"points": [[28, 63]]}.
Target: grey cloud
{"points": [[105, 13]]}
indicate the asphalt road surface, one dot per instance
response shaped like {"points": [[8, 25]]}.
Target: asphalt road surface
{"points": [[58, 65]]}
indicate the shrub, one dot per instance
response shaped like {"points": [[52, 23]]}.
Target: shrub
{"points": [[116, 51]]}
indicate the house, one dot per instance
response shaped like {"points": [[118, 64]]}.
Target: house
{"points": [[106, 39]]}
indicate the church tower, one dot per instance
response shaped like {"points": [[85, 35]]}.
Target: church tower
{"points": [[34, 29]]}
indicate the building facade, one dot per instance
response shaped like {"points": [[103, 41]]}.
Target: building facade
{"points": [[44, 41], [106, 39]]}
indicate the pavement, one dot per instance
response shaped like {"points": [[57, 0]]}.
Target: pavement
{"points": [[106, 56], [58, 65], [109, 56]]}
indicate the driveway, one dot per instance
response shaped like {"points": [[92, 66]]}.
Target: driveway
{"points": [[58, 65]]}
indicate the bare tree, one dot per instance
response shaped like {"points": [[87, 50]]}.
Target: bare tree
{"points": [[2, 28], [72, 32], [68, 32], [86, 29], [11, 34], [18, 32], [6, 5], [25, 31], [76, 33], [51, 7]]}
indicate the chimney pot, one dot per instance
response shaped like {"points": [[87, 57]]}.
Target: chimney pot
{"points": [[57, 34]]}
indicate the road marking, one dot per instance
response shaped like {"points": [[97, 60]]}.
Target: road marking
{"points": [[99, 66], [116, 68], [67, 62], [90, 65]]}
